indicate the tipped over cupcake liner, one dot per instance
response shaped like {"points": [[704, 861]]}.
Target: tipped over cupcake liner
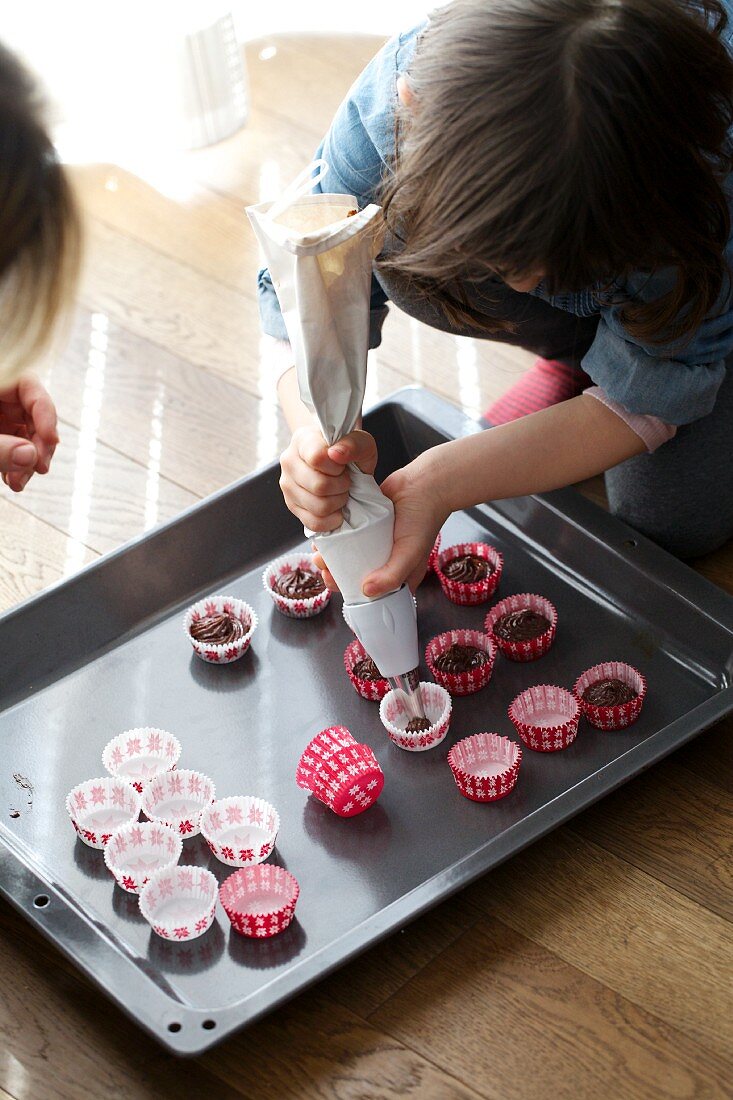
{"points": [[136, 851], [240, 830], [485, 766], [546, 717], [375, 690], [140, 754], [611, 717], [324, 744], [533, 647], [475, 592], [98, 807], [221, 605], [260, 901], [178, 799], [294, 607], [461, 683], [179, 902], [347, 779], [395, 716]]}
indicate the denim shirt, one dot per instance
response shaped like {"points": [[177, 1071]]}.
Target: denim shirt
{"points": [[677, 384]]}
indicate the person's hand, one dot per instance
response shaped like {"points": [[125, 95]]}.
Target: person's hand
{"points": [[315, 481], [28, 435]]}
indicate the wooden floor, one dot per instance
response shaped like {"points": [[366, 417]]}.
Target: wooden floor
{"points": [[595, 964]]}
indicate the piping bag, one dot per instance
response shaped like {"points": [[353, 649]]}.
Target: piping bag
{"points": [[319, 249]]}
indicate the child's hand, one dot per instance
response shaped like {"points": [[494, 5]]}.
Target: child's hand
{"points": [[314, 479], [28, 435]]}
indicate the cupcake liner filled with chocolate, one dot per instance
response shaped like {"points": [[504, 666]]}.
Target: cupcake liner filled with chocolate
{"points": [[611, 694], [461, 660], [485, 766], [546, 717], [296, 586], [409, 733], [220, 628], [523, 626], [366, 678], [469, 572]]}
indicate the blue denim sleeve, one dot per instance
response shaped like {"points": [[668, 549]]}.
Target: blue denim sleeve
{"points": [[676, 382]]}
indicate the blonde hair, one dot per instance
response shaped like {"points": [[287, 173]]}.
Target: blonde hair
{"points": [[40, 230]]}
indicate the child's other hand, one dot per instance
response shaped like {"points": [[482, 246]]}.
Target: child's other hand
{"points": [[315, 481], [28, 435]]}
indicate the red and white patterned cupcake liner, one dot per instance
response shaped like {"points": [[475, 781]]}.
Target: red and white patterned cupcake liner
{"points": [[241, 830], [138, 755], [395, 715], [178, 799], [462, 683], [319, 748], [485, 766], [349, 781], [179, 902], [469, 594], [546, 717], [137, 850], [218, 605], [535, 647], [433, 556], [294, 608], [98, 807], [260, 901], [368, 689], [612, 718]]}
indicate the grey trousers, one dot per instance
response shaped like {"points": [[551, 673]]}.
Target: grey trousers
{"points": [[681, 496]]}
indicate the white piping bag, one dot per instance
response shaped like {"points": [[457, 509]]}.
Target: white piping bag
{"points": [[319, 249]]}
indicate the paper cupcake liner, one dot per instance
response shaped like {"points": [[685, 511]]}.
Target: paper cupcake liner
{"points": [[433, 557], [535, 647], [241, 830], [98, 807], [178, 799], [469, 594], [260, 901], [546, 717], [395, 716], [216, 605], [294, 608], [350, 781], [137, 851], [179, 902], [462, 683], [611, 718], [368, 689], [485, 766], [139, 754], [324, 744]]}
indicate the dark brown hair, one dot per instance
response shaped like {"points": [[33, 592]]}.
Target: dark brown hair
{"points": [[39, 225], [583, 138]]}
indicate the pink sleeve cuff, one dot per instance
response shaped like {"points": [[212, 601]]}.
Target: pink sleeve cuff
{"points": [[651, 430]]}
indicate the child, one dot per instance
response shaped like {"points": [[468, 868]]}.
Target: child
{"points": [[39, 259], [554, 173]]}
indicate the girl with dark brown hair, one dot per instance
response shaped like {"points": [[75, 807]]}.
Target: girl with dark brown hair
{"points": [[554, 174], [39, 261]]}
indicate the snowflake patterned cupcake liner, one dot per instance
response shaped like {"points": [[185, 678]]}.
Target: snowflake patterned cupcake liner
{"points": [[469, 594], [294, 608], [395, 715], [349, 781], [534, 647], [240, 830], [98, 807], [260, 901], [485, 766], [178, 799], [319, 748], [462, 683], [433, 556], [545, 717], [615, 717], [375, 690], [218, 605], [140, 754], [179, 903], [137, 850]]}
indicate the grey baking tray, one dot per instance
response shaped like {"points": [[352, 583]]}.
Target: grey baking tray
{"points": [[105, 651]]}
